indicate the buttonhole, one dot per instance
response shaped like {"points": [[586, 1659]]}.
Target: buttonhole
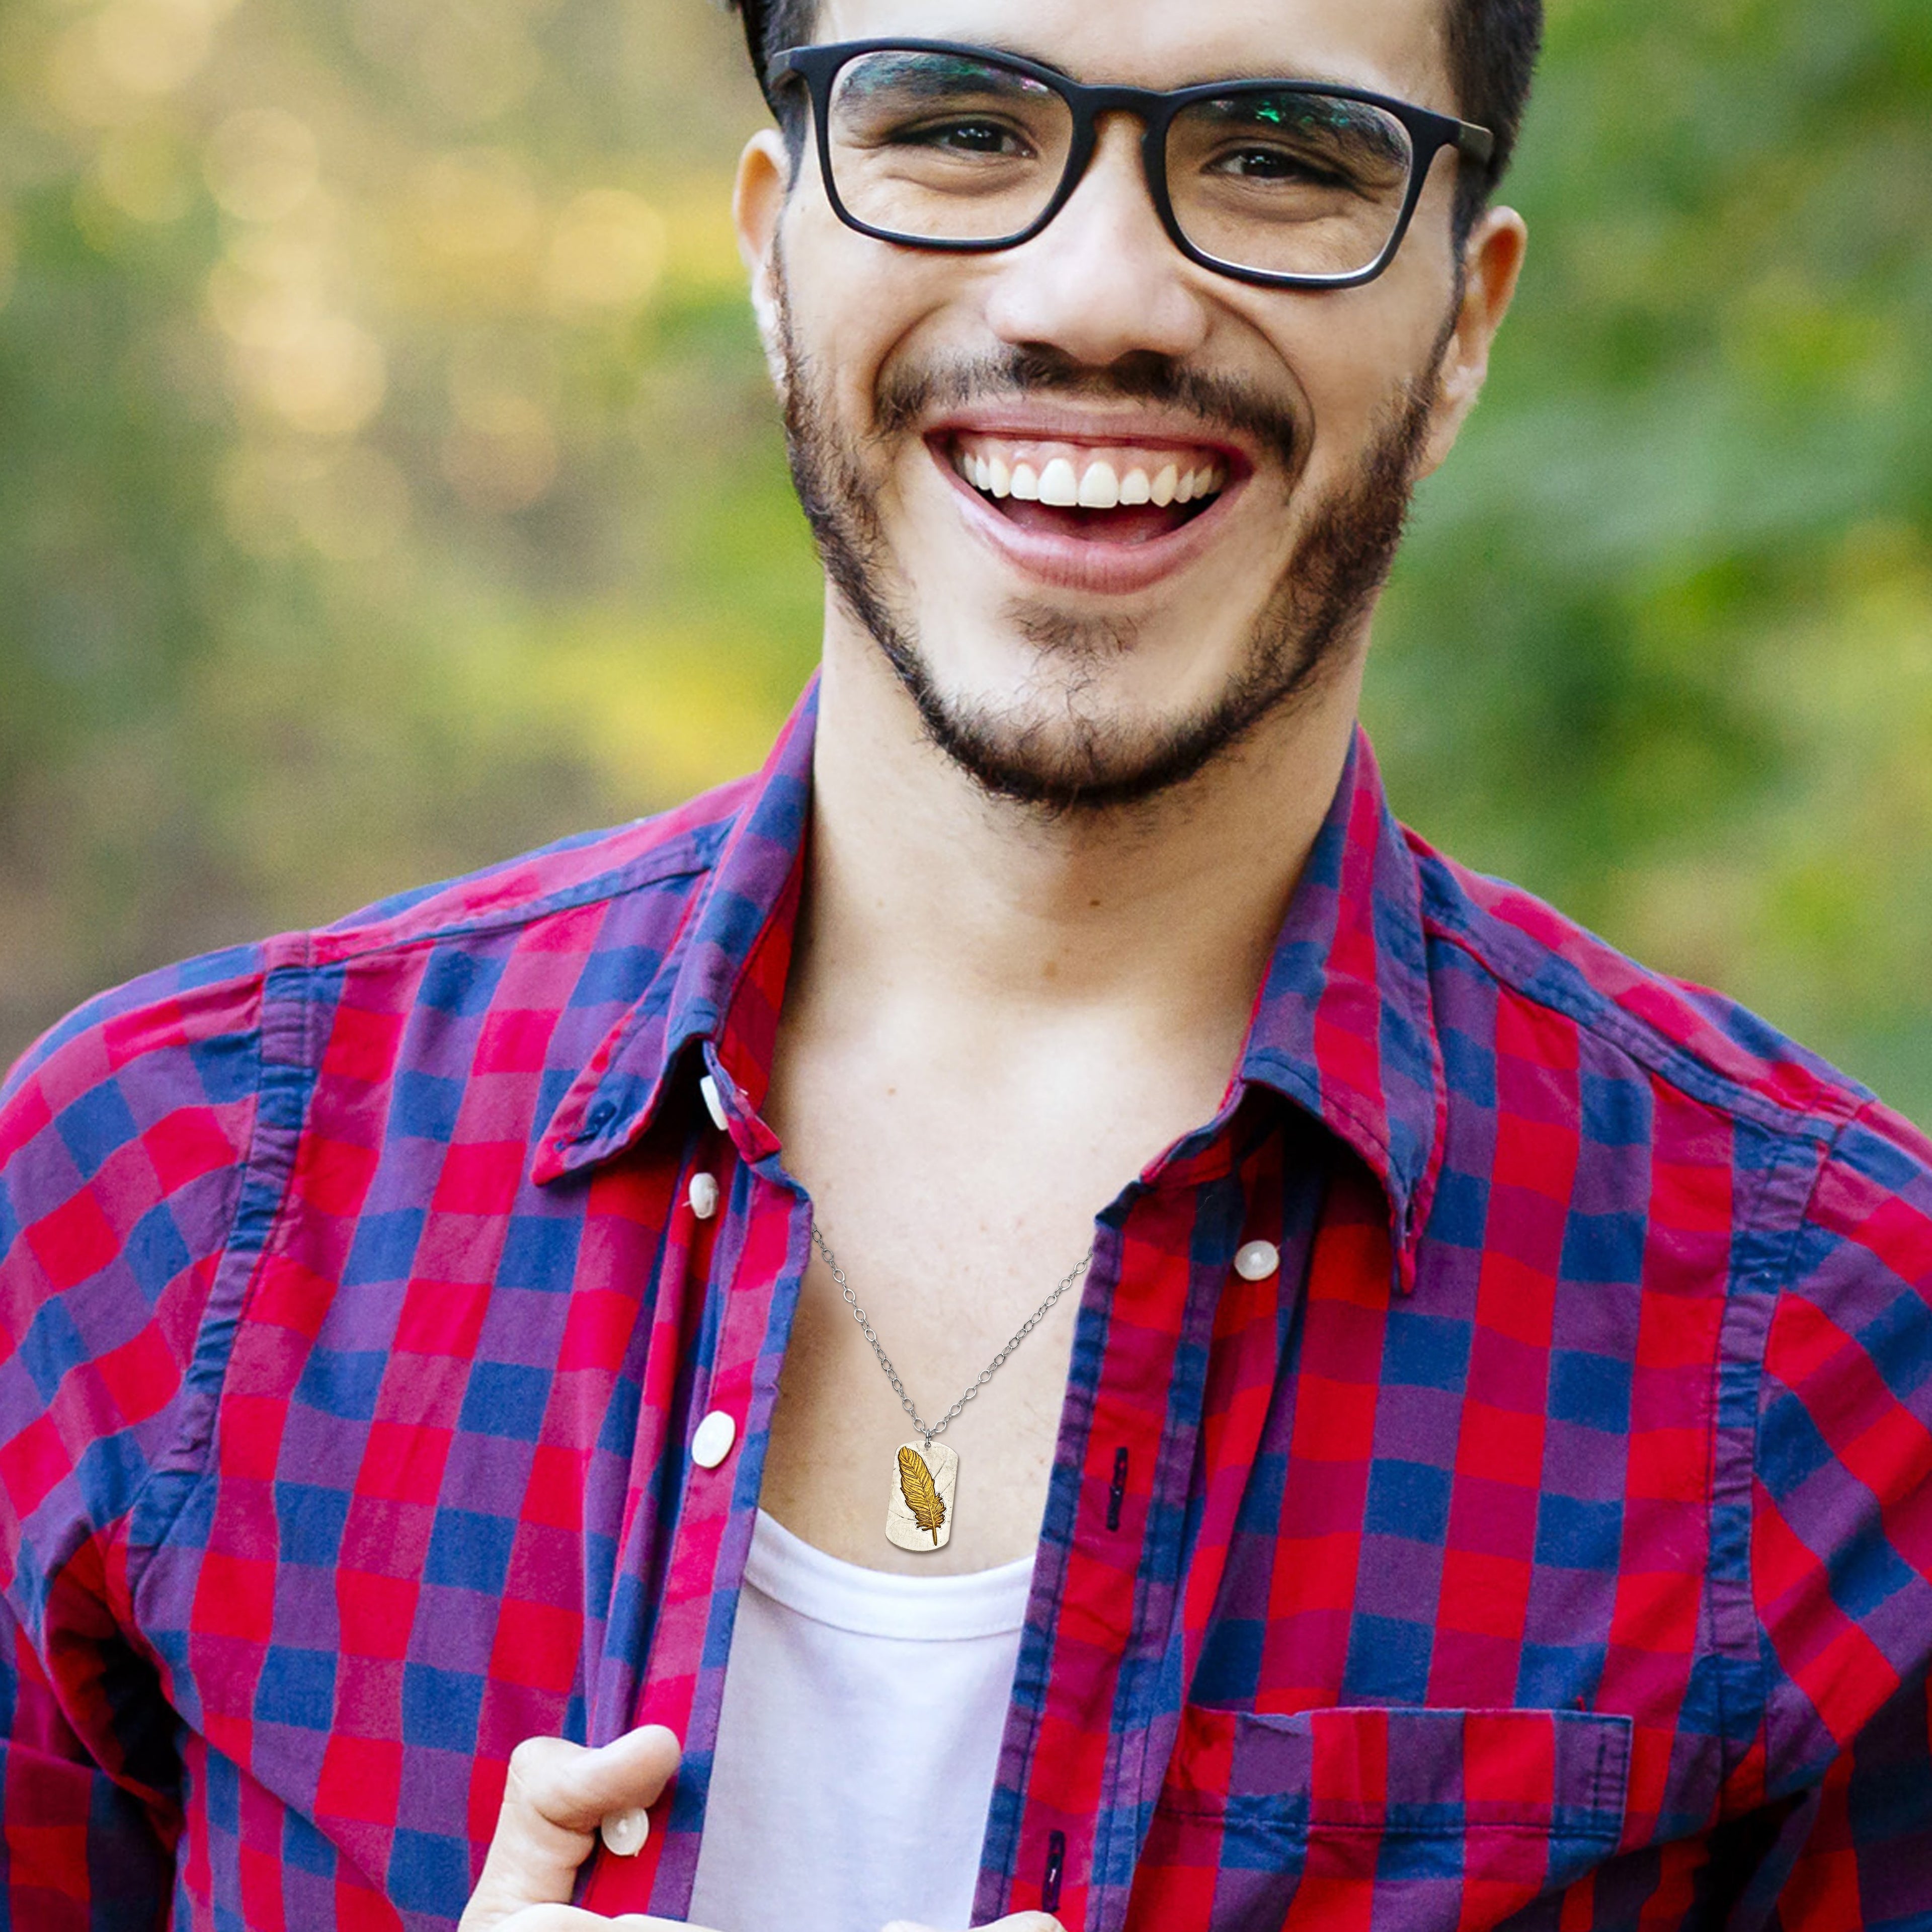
{"points": [[1056, 1860], [1118, 1495]]}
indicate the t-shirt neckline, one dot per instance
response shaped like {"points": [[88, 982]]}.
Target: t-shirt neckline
{"points": [[883, 1603]]}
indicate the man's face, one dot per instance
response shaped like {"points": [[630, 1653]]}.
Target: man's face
{"points": [[1072, 654]]}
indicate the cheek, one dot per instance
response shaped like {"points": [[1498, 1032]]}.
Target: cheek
{"points": [[855, 307], [1355, 363]]}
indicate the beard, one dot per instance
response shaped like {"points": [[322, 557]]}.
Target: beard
{"points": [[1055, 747]]}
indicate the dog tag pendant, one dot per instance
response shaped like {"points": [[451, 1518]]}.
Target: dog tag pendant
{"points": [[920, 1516]]}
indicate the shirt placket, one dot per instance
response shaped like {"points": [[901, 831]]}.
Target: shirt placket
{"points": [[1097, 1693], [758, 1265]]}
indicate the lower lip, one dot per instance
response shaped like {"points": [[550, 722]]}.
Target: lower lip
{"points": [[1068, 563]]}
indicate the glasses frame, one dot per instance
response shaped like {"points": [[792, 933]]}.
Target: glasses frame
{"points": [[819, 67]]}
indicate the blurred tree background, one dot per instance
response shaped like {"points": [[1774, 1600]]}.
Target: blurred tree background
{"points": [[389, 482]]}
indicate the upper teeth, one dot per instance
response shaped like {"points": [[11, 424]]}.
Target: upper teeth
{"points": [[1101, 484]]}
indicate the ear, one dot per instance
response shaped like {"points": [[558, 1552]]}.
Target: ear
{"points": [[758, 201], [1492, 265]]}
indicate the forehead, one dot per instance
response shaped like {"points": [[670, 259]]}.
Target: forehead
{"points": [[1394, 46]]}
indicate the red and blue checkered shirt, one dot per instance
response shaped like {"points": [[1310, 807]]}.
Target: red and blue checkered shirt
{"points": [[1547, 1542]]}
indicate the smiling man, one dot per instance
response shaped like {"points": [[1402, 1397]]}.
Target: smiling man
{"points": [[1035, 1313]]}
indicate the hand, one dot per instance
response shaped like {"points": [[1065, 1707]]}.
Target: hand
{"points": [[558, 1795], [1021, 1921]]}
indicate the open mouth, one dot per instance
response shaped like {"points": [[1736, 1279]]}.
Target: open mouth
{"points": [[1125, 495]]}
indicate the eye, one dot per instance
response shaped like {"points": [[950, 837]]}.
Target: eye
{"points": [[967, 137], [1263, 164]]}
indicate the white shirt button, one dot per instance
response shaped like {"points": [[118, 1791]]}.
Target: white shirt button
{"points": [[714, 1105], [711, 1441], [1257, 1261], [624, 1832], [703, 1196]]}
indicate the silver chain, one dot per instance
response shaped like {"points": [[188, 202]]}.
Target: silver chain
{"points": [[986, 1374]]}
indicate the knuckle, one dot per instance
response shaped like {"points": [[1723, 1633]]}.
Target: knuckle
{"points": [[534, 1762]]}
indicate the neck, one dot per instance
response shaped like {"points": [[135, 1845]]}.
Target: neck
{"points": [[924, 889]]}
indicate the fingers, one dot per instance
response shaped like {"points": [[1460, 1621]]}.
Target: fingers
{"points": [[569, 1788], [1021, 1921], [574, 1919], [557, 1794]]}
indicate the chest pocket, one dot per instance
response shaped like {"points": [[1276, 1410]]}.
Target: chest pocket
{"points": [[1380, 1820]]}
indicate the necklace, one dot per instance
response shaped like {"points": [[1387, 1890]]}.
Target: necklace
{"points": [[927, 1473]]}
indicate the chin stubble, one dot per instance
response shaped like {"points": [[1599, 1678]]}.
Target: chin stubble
{"points": [[1051, 748]]}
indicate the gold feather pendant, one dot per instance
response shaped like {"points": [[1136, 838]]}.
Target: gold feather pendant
{"points": [[920, 1516]]}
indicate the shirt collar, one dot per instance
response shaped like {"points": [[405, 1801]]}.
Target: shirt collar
{"points": [[1345, 1023], [719, 985], [1343, 1026]]}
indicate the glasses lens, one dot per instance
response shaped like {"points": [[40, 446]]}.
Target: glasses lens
{"points": [[944, 147], [1288, 184]]}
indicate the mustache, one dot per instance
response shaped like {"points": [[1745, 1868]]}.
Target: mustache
{"points": [[906, 396]]}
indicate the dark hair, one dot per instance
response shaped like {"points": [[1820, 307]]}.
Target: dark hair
{"points": [[1492, 49]]}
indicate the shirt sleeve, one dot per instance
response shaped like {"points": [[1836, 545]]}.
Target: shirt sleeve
{"points": [[123, 1151], [1841, 1544]]}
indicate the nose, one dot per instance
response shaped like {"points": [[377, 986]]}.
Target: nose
{"points": [[1104, 279]]}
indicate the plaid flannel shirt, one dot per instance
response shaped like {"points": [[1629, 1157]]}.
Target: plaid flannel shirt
{"points": [[1546, 1542]]}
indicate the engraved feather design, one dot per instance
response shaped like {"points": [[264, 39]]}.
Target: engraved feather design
{"points": [[921, 1493]]}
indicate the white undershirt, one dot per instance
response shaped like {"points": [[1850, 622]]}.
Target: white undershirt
{"points": [[857, 1745]]}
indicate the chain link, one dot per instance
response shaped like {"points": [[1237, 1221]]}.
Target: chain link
{"points": [[986, 1374]]}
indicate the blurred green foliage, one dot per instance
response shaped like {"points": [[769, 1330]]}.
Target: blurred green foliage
{"points": [[1661, 648], [390, 482]]}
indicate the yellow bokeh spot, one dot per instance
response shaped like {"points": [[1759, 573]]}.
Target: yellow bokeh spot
{"points": [[262, 164], [607, 251], [475, 208], [320, 373], [152, 47]]}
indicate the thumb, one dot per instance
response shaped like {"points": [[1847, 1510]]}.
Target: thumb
{"points": [[557, 1794], [1021, 1921]]}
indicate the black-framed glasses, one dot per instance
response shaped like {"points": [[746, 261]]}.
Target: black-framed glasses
{"points": [[1289, 184]]}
